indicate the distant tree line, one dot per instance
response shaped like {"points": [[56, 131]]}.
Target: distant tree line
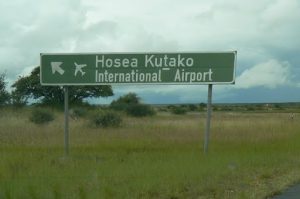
{"points": [[28, 89]]}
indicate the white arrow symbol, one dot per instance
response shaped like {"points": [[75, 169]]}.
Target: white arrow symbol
{"points": [[56, 68]]}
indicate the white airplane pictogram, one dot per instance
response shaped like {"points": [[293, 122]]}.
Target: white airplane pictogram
{"points": [[79, 69]]}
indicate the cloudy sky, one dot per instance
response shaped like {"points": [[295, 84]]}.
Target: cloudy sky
{"points": [[265, 34]]}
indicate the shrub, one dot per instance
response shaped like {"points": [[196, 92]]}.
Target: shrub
{"points": [[171, 107], [106, 119], [123, 102], [41, 116], [140, 110], [130, 103], [202, 106], [119, 106], [250, 108], [162, 109], [192, 107], [178, 110], [78, 112]]}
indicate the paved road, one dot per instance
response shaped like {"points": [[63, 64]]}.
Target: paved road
{"points": [[291, 193]]}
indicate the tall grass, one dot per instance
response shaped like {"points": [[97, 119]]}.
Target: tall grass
{"points": [[250, 156]]}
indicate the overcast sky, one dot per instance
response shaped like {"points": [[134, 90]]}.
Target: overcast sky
{"points": [[265, 34]]}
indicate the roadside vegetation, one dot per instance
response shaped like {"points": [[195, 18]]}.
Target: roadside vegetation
{"points": [[251, 155]]}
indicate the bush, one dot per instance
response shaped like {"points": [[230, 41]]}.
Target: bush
{"points": [[78, 112], [41, 116], [140, 110], [131, 104], [123, 102], [178, 110], [106, 119], [202, 106], [162, 109], [192, 107], [119, 106], [171, 107]]}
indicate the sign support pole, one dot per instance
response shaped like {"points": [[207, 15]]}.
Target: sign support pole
{"points": [[66, 93], [208, 119]]}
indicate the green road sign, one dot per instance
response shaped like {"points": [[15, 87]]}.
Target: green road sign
{"points": [[138, 68]]}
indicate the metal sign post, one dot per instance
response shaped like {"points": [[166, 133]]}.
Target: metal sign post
{"points": [[66, 92], [208, 119]]}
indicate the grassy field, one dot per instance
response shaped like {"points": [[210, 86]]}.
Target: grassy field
{"points": [[251, 155]]}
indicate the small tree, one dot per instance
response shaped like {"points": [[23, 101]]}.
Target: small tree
{"points": [[179, 110], [202, 106], [106, 119], [123, 102], [18, 100], [4, 95], [131, 104], [41, 116], [192, 107], [140, 110]]}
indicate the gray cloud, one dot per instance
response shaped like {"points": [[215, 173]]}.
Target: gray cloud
{"points": [[259, 30], [270, 74]]}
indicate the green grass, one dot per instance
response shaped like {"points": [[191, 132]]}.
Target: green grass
{"points": [[250, 156]]}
